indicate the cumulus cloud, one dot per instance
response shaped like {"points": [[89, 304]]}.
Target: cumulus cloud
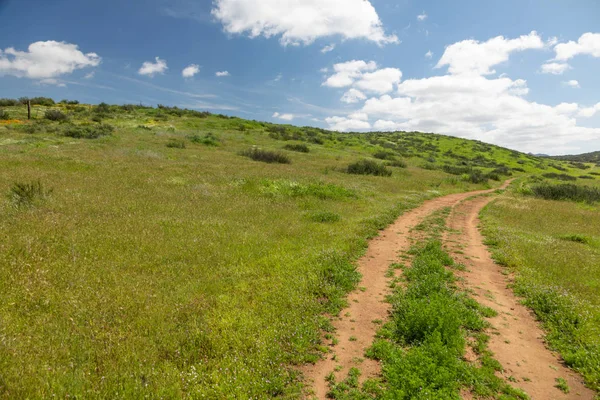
{"points": [[380, 81], [328, 48], [589, 111], [150, 69], [346, 73], [343, 124], [285, 117], [466, 102], [572, 83], [555, 68], [353, 96], [190, 70], [474, 57], [588, 43], [302, 22], [422, 17], [222, 73], [45, 60]]}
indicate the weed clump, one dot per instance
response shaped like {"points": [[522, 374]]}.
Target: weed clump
{"points": [[26, 194], [55, 115], [89, 132], [566, 191], [368, 167], [266, 156], [300, 148], [324, 217], [208, 140], [176, 144]]}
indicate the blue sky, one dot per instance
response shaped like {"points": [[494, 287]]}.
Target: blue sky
{"points": [[522, 74]]}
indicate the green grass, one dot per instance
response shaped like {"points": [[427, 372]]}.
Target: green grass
{"points": [[155, 271], [553, 247]]}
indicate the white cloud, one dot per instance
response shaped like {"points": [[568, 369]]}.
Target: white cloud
{"points": [[589, 111], [285, 117], [346, 73], [328, 48], [429, 54], [467, 103], [353, 96], [422, 17], [52, 81], [301, 22], [555, 68], [344, 124], [150, 69], [222, 73], [45, 60], [572, 83], [588, 43], [380, 81], [190, 70], [474, 57], [90, 75]]}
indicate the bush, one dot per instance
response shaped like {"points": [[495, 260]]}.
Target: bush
{"points": [[586, 177], [4, 115], [384, 155], [368, 167], [560, 177], [8, 103], [566, 191], [580, 165], [456, 169], [266, 156], [25, 194], [208, 140], [176, 144], [42, 101], [102, 108], [476, 176], [301, 148], [397, 163], [55, 115], [88, 132]]}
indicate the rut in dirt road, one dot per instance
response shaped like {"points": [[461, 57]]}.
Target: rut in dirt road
{"points": [[516, 340], [355, 328]]}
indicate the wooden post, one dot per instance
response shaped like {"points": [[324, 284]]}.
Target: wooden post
{"points": [[28, 109]]}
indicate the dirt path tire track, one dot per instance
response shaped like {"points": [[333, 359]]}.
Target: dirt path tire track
{"points": [[518, 343], [355, 329]]}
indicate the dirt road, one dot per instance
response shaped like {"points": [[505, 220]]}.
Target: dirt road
{"points": [[519, 347]]}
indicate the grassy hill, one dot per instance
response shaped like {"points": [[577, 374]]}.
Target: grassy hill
{"points": [[163, 252], [593, 157]]}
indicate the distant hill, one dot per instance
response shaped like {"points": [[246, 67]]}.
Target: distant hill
{"points": [[587, 157]]}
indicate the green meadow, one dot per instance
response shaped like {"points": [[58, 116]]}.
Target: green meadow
{"points": [[168, 253]]}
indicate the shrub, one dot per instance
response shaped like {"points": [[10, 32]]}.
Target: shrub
{"points": [[42, 101], [208, 140], [266, 156], [8, 103], [456, 169], [55, 115], [560, 168], [4, 115], [518, 169], [560, 177], [493, 176], [476, 176], [102, 108], [89, 132], [580, 165], [301, 148], [502, 170], [586, 177], [368, 167], [397, 163], [384, 155], [595, 173], [25, 194], [176, 144], [567, 191]]}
